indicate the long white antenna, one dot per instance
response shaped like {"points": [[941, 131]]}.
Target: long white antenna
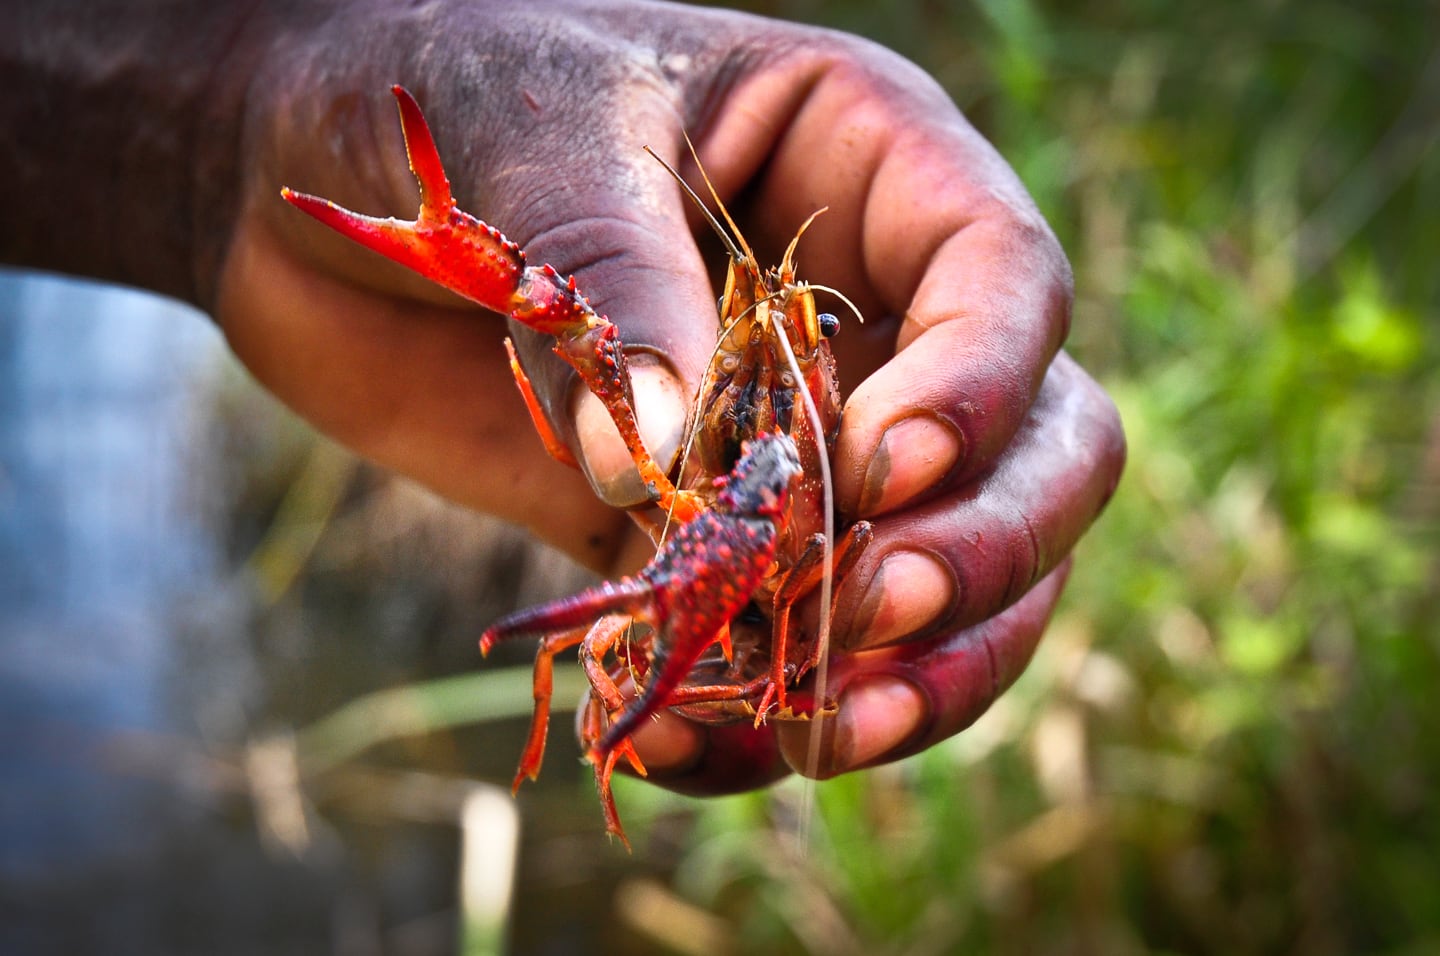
{"points": [[822, 667]]}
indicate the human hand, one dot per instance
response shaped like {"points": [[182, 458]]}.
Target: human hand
{"points": [[980, 455]]}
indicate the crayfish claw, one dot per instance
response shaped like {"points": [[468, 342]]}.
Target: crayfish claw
{"points": [[435, 197]]}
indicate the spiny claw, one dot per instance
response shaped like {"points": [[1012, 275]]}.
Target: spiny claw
{"points": [[443, 243], [474, 259], [423, 156], [449, 246]]}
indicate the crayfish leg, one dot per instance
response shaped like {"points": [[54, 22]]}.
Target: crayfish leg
{"points": [[557, 449], [802, 579], [592, 727], [597, 643], [597, 354], [544, 689], [710, 693]]}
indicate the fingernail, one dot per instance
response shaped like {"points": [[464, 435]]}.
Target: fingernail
{"points": [[907, 593], [659, 407], [914, 454], [874, 719]]}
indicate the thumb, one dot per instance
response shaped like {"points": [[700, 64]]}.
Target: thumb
{"points": [[627, 243]]}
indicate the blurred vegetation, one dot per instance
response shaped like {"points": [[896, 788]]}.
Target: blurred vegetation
{"points": [[1230, 741]]}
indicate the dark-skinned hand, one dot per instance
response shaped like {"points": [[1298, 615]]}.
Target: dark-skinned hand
{"points": [[980, 451]]}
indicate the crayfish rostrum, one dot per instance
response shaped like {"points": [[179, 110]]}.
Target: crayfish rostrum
{"points": [[747, 500]]}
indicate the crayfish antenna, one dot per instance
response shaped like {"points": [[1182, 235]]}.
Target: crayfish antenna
{"points": [[739, 236], [725, 237], [827, 585], [787, 261], [854, 309]]}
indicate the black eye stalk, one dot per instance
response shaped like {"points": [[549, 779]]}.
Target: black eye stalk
{"points": [[829, 323]]}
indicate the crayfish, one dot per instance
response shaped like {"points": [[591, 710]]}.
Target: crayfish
{"points": [[746, 501]]}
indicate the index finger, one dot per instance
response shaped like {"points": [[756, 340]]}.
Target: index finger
{"points": [[927, 224]]}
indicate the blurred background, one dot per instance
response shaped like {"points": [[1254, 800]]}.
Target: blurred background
{"points": [[243, 712]]}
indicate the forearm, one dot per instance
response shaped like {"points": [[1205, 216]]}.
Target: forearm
{"points": [[135, 131], [121, 120]]}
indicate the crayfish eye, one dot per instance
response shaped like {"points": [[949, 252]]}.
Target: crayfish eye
{"points": [[829, 323]]}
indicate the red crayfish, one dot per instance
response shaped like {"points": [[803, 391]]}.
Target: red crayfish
{"points": [[747, 499]]}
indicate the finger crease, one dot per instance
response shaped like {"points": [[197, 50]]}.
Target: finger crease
{"points": [[994, 666], [1035, 552]]}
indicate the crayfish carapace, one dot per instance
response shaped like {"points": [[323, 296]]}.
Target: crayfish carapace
{"points": [[747, 501]]}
